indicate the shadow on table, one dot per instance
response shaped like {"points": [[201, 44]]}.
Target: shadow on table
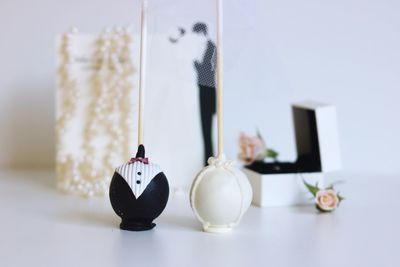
{"points": [[93, 212], [98, 219], [304, 209], [179, 221], [108, 220]]}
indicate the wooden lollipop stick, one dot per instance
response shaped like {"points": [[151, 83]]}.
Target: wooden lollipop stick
{"points": [[220, 80], [142, 69]]}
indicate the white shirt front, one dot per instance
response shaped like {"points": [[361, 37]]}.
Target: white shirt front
{"points": [[138, 175]]}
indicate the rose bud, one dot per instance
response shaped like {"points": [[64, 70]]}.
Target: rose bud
{"points": [[326, 200]]}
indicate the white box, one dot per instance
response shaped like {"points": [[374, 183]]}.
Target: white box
{"points": [[316, 133], [317, 143], [281, 189]]}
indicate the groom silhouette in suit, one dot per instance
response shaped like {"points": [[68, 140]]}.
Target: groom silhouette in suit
{"points": [[205, 70]]}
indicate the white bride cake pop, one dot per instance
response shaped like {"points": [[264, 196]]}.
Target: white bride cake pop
{"points": [[220, 193]]}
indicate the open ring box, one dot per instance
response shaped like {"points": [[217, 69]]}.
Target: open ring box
{"points": [[318, 152]]}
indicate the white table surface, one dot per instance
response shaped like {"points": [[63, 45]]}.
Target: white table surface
{"points": [[41, 227]]}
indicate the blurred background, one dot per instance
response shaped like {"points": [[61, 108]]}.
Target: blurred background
{"points": [[276, 53]]}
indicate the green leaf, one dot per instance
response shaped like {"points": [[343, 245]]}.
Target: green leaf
{"points": [[311, 188], [272, 154], [340, 197], [268, 153], [260, 136]]}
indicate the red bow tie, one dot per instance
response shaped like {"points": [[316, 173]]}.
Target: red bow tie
{"points": [[142, 160]]}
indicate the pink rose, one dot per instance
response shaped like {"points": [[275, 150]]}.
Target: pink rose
{"points": [[326, 200], [251, 147]]}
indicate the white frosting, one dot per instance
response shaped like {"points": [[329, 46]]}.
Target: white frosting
{"points": [[220, 195], [129, 172]]}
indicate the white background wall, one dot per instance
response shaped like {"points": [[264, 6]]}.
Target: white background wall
{"points": [[344, 52]]}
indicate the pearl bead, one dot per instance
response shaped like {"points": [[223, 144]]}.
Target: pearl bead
{"points": [[107, 114]]}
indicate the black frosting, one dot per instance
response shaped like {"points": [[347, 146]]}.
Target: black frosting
{"points": [[137, 214], [140, 152]]}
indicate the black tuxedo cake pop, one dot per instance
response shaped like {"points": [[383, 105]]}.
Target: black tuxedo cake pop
{"points": [[139, 192]]}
